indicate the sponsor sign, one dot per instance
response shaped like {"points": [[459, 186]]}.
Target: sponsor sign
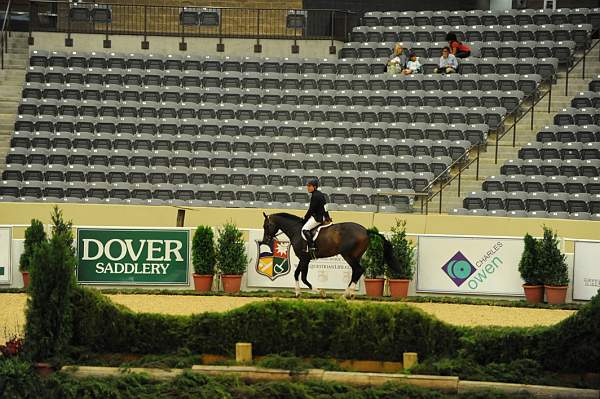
{"points": [[469, 265], [586, 270], [5, 254], [132, 256], [273, 266]]}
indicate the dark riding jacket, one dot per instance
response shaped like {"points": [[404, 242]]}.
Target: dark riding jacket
{"points": [[317, 207]]}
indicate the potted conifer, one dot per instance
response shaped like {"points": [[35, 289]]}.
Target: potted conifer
{"points": [[404, 252], [556, 274], [232, 260], [530, 270], [203, 258], [34, 236], [373, 263]]}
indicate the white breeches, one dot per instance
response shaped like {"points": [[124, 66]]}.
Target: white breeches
{"points": [[310, 224]]}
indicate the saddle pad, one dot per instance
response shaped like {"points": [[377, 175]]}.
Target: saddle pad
{"points": [[318, 230]]}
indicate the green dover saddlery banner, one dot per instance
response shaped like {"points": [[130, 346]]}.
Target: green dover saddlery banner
{"points": [[132, 256]]}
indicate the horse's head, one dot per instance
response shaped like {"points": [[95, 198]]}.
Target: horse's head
{"points": [[269, 230]]}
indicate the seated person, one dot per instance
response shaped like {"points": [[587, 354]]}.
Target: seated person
{"points": [[397, 61], [413, 65], [457, 49], [448, 63]]}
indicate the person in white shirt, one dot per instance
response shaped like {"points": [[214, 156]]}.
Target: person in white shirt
{"points": [[448, 63], [397, 61], [413, 65]]}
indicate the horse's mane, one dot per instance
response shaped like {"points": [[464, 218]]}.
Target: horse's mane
{"points": [[289, 216]]}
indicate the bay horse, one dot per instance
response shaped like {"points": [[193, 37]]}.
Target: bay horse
{"points": [[350, 240]]}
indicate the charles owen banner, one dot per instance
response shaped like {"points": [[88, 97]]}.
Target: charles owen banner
{"points": [[469, 265], [586, 270], [273, 266], [5, 254], [132, 256]]}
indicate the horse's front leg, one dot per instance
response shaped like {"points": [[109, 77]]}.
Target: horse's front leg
{"points": [[296, 277]]}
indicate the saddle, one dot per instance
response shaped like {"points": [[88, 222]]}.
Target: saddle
{"points": [[315, 232]]}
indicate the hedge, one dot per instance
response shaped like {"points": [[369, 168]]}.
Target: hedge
{"points": [[17, 381], [335, 329]]}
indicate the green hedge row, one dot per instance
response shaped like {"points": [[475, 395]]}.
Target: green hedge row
{"points": [[334, 328], [338, 329], [17, 381]]}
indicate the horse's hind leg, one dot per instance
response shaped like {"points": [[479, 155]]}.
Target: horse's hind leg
{"points": [[357, 272]]}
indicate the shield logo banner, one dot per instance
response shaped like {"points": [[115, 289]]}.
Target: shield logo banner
{"points": [[273, 260]]}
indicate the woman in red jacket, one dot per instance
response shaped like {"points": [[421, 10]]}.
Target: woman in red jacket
{"points": [[458, 49]]}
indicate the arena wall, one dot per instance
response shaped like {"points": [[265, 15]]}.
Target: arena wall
{"points": [[50, 41]]}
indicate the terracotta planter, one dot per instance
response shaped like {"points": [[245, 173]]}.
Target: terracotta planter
{"points": [[231, 282], [556, 294], [399, 288], [534, 293], [374, 286], [43, 369], [203, 282], [25, 279]]}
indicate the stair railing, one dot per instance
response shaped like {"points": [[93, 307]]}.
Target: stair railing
{"points": [[4, 34]]}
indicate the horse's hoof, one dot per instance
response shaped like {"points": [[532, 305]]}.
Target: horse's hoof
{"points": [[297, 294], [322, 293]]}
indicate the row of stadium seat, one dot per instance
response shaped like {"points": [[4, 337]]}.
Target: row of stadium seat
{"points": [[200, 175], [361, 66], [537, 201], [169, 194], [524, 214], [64, 131], [541, 183], [551, 167], [230, 80], [560, 150], [339, 113], [569, 133], [580, 33], [564, 50], [168, 105], [484, 17]]}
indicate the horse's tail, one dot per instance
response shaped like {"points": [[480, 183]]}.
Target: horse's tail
{"points": [[388, 251]]}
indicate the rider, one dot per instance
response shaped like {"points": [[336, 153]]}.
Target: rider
{"points": [[316, 214]]}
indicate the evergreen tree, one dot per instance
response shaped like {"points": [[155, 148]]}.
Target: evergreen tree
{"points": [[62, 228], [203, 251], [552, 261], [529, 266], [372, 260], [49, 310], [34, 236], [404, 252], [231, 250]]}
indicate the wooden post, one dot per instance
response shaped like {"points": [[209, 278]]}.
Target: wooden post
{"points": [[409, 360], [180, 217], [243, 352]]}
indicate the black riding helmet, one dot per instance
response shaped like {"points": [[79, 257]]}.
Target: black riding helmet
{"points": [[313, 182]]}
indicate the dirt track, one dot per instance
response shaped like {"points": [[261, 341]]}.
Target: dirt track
{"points": [[12, 310]]}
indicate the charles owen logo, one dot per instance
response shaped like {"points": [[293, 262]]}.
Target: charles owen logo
{"points": [[459, 269], [273, 261]]}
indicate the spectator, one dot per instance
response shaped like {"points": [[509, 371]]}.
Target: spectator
{"points": [[397, 61], [448, 63], [413, 65], [457, 49]]}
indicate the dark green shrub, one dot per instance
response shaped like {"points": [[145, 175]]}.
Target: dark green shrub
{"points": [[552, 261], [17, 379], [404, 252], [62, 227], [203, 251], [231, 250], [529, 265], [49, 311], [373, 261], [34, 236]]}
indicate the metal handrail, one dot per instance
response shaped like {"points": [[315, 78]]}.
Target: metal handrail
{"points": [[582, 59], [4, 34]]}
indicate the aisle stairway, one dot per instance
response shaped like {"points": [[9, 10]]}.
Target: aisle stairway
{"points": [[11, 84]]}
